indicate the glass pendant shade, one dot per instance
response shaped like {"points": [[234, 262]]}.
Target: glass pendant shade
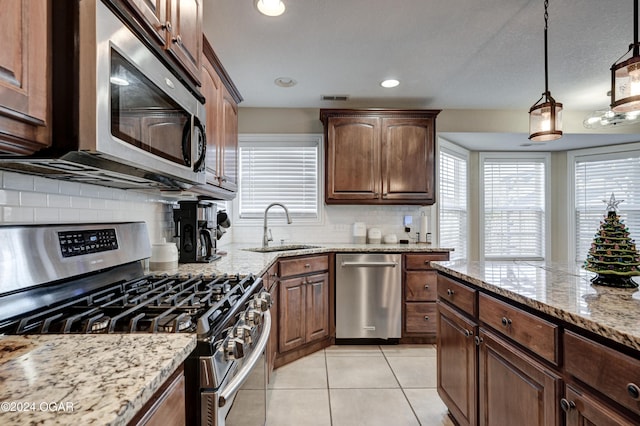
{"points": [[270, 7], [625, 85], [545, 121]]}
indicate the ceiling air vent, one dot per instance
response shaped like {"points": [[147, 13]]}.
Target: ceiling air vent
{"points": [[341, 98]]}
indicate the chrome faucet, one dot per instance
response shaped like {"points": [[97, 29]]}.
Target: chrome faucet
{"points": [[265, 236]]}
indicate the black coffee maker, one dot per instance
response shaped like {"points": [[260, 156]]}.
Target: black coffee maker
{"points": [[196, 226]]}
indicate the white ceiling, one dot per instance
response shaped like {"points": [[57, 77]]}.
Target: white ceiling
{"points": [[447, 54]]}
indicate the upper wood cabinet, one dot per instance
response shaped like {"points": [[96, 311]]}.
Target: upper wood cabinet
{"points": [[177, 26], [221, 103], [379, 156], [25, 112]]}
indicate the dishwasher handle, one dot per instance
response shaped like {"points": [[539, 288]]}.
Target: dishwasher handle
{"points": [[368, 264]]}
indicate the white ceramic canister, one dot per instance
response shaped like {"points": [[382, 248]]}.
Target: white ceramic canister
{"points": [[359, 233], [164, 256], [374, 236]]}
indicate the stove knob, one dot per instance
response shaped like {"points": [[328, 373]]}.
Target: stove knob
{"points": [[265, 295], [242, 332], [258, 304], [233, 348], [253, 317]]}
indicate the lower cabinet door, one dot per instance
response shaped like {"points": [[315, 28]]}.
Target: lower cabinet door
{"points": [[317, 301], [584, 409], [292, 308], [515, 389], [457, 360]]}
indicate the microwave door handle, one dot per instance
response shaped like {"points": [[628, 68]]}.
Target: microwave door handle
{"points": [[234, 385], [186, 142], [200, 137]]}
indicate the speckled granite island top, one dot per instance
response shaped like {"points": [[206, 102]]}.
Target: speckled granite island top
{"points": [[563, 291], [84, 379], [240, 260]]}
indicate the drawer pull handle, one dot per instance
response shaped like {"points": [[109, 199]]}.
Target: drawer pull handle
{"points": [[467, 333], [506, 321], [307, 265], [450, 292], [633, 391], [478, 340], [567, 405], [427, 262], [426, 286], [426, 318]]}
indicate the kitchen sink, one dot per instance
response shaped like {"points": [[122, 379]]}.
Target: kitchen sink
{"points": [[285, 247]]}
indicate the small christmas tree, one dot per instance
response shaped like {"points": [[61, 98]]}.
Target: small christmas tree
{"points": [[613, 255]]}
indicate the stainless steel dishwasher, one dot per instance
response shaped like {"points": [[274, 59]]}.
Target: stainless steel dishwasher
{"points": [[368, 296]]}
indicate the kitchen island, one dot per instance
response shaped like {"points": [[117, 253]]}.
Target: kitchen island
{"points": [[536, 343], [85, 379]]}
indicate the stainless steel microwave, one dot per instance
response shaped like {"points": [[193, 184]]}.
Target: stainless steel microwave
{"points": [[121, 117]]}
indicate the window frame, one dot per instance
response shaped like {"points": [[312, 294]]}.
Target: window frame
{"points": [[287, 138], [457, 151], [610, 152], [545, 158]]}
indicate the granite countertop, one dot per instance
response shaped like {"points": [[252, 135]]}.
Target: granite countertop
{"points": [[239, 260], [84, 379], [561, 290]]}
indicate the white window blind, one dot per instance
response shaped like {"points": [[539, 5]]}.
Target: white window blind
{"points": [[285, 172], [595, 179], [453, 203], [514, 208]]}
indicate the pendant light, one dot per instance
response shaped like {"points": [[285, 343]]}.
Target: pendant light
{"points": [[270, 7], [625, 76], [545, 118]]}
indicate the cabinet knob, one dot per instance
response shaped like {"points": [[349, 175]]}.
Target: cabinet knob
{"points": [[167, 26], [177, 39], [478, 340], [426, 318], [426, 286], [567, 405], [633, 391], [450, 292], [506, 321], [307, 265], [467, 333]]}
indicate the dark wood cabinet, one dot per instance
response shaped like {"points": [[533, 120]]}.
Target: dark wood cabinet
{"points": [[303, 305], [25, 92], [167, 406], [175, 25], [514, 388], [221, 103], [379, 156], [420, 291], [583, 408], [457, 364]]}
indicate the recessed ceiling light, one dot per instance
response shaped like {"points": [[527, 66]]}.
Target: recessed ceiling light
{"points": [[270, 7], [389, 83], [285, 82]]}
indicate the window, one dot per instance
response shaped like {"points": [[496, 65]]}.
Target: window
{"points": [[453, 199], [279, 168], [596, 177], [514, 206]]}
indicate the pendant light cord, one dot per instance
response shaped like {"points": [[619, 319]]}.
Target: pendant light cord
{"points": [[546, 65], [636, 46]]}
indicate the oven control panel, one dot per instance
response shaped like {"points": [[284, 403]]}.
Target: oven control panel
{"points": [[77, 243]]}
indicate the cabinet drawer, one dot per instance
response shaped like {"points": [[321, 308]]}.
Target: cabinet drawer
{"points": [[459, 295], [534, 333], [606, 370], [421, 286], [420, 317], [422, 261], [303, 265]]}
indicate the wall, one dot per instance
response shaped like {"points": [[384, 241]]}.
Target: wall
{"points": [[26, 199]]}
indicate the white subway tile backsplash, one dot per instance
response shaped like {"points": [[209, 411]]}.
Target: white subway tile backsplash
{"points": [[69, 188], [98, 203], [45, 185], [60, 201], [9, 198], [46, 215], [70, 215], [33, 199], [80, 202], [22, 215], [17, 182]]}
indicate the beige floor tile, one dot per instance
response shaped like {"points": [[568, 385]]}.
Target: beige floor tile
{"points": [[415, 372], [245, 411], [371, 407], [408, 350], [353, 350], [308, 407], [305, 373], [428, 406], [359, 372]]}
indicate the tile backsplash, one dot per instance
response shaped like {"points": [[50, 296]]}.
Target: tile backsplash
{"points": [[26, 199]]}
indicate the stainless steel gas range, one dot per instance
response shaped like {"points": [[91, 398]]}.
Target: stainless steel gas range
{"points": [[89, 278]]}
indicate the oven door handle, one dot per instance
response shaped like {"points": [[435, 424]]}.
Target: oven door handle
{"points": [[235, 384]]}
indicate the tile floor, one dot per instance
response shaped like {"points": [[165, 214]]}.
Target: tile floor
{"points": [[358, 385]]}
